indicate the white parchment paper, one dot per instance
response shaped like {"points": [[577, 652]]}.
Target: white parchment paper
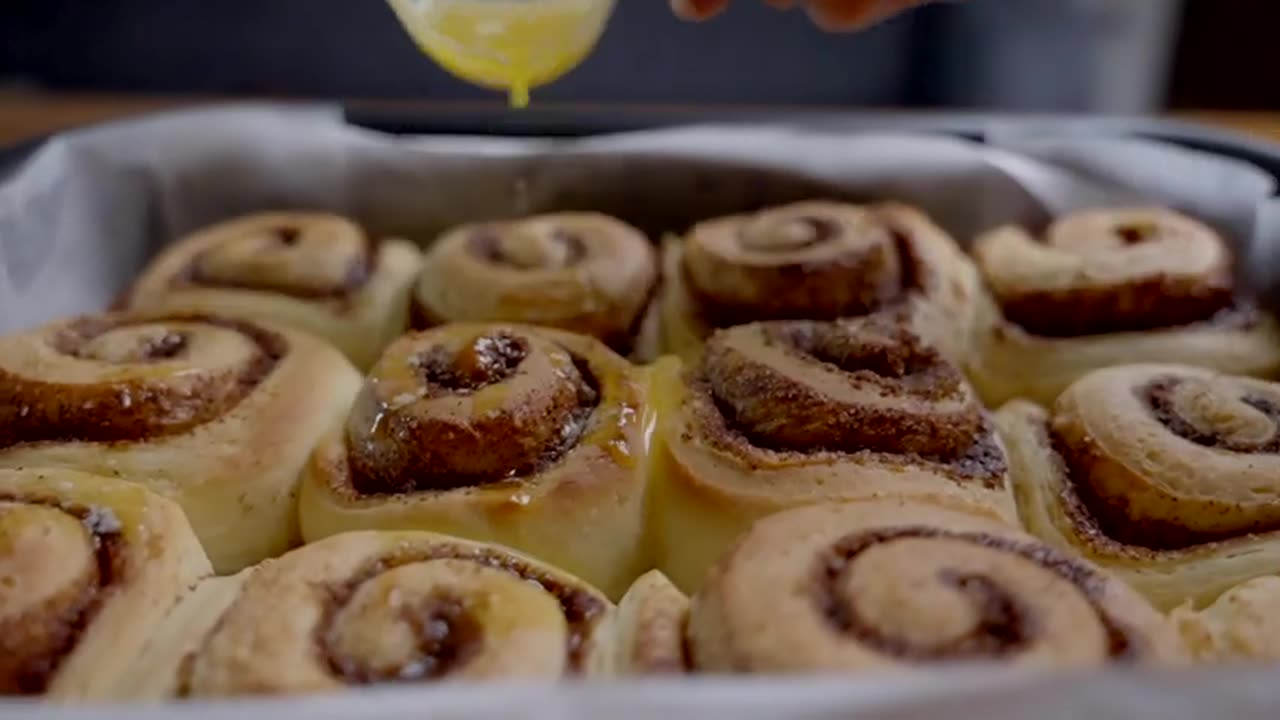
{"points": [[83, 215]]}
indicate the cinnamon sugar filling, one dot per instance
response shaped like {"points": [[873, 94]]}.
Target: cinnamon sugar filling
{"points": [[1005, 623], [135, 407]]}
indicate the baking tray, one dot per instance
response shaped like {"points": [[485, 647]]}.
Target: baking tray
{"points": [[584, 121], [581, 121], [988, 693]]}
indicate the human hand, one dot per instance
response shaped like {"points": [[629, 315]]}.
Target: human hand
{"points": [[828, 14]]}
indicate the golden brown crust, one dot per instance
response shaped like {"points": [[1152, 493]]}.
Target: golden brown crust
{"points": [[791, 413], [498, 433], [817, 261], [89, 565], [314, 271], [368, 607], [217, 414], [1106, 287], [1164, 473], [889, 584], [582, 272]]}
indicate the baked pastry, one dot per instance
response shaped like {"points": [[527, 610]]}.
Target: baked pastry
{"points": [[790, 413], [1165, 474], [216, 414], [313, 271], [582, 272], [161, 670], [817, 261], [889, 584], [1108, 287], [1243, 625], [650, 626], [529, 437], [367, 608], [88, 566]]}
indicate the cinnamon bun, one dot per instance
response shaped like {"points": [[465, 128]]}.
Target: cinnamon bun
{"points": [[373, 608], [796, 412], [1108, 287], [1243, 625], [890, 584], [582, 272], [530, 437], [1167, 475], [817, 261], [650, 628], [217, 414], [88, 566], [313, 271]]}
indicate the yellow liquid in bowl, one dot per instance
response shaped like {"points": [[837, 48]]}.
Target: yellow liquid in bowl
{"points": [[511, 45]]}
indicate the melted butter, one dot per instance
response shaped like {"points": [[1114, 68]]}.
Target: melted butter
{"points": [[511, 45], [648, 425], [491, 399]]}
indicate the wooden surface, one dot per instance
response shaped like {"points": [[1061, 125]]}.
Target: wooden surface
{"points": [[25, 115]]}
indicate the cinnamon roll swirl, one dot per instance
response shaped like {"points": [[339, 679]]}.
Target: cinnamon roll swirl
{"points": [[1168, 475], [1108, 287], [88, 565], [582, 272], [650, 628], [370, 608], [817, 261], [530, 437], [1243, 625], [890, 584], [795, 412], [313, 271], [214, 413]]}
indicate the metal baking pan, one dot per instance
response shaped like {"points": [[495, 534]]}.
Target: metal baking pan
{"points": [[1117, 693], [575, 122]]}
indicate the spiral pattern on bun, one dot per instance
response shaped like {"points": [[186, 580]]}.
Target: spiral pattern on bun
{"points": [[1166, 474], [368, 608], [1104, 287], [314, 271], [497, 433], [817, 261], [89, 564], [218, 414], [791, 413], [887, 584], [581, 272]]}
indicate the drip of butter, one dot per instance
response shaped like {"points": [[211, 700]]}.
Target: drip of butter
{"points": [[510, 45]]}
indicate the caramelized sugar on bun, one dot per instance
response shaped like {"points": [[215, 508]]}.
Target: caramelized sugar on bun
{"points": [[531, 437], [88, 565], [817, 261], [791, 413], [1168, 475], [583, 272], [217, 414], [313, 271], [1107, 287]]}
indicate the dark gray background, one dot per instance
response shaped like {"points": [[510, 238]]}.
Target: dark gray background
{"points": [[1038, 54]]}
